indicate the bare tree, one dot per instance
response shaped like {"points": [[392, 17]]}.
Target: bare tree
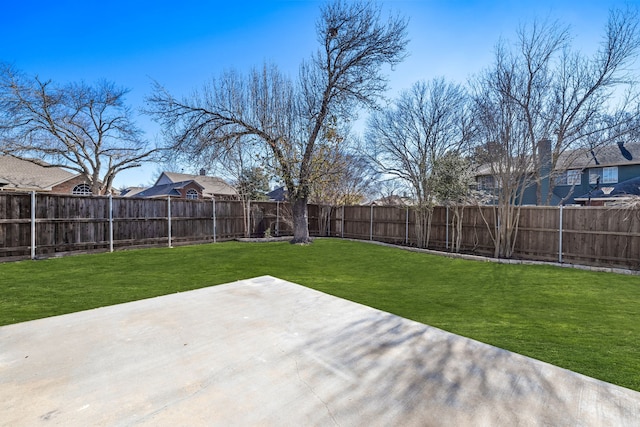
{"points": [[83, 128], [566, 97], [340, 178], [541, 100], [407, 139], [289, 119], [239, 163], [452, 185], [502, 124], [343, 177]]}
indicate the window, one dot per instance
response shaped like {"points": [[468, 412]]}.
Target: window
{"points": [[192, 194], [573, 177], [610, 175], [570, 177], [81, 190], [486, 182], [607, 175]]}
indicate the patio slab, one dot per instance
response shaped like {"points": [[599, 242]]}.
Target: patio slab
{"points": [[269, 352]]}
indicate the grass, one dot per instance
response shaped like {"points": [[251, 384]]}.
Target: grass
{"points": [[584, 321]]}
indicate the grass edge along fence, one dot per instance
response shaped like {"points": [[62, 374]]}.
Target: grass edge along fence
{"points": [[40, 225], [594, 236]]}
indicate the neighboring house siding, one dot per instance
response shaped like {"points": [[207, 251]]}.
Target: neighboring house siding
{"points": [[625, 172], [529, 197], [584, 165], [164, 179], [191, 186]]}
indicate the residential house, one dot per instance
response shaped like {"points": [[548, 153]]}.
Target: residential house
{"points": [[579, 173], [132, 191], [189, 189], [278, 194], [611, 194], [392, 200], [598, 170], [186, 186], [23, 175]]}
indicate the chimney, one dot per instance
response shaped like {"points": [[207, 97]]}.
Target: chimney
{"points": [[544, 157], [203, 172]]}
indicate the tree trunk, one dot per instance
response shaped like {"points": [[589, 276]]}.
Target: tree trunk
{"points": [[300, 221], [424, 215]]}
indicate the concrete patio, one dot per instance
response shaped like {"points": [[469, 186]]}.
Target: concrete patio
{"points": [[269, 352]]}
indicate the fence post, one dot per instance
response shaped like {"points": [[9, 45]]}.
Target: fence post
{"points": [[560, 238], [110, 222], [371, 224], [249, 228], [342, 223], [406, 228], [277, 230], [447, 229], [33, 225], [329, 223], [169, 218], [214, 218]]}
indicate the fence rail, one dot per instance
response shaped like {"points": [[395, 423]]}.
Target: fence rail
{"points": [[597, 236], [44, 225]]}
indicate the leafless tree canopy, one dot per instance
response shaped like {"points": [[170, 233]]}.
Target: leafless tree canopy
{"points": [[85, 128], [407, 139], [564, 96], [503, 126], [342, 178], [288, 119], [420, 127], [541, 90]]}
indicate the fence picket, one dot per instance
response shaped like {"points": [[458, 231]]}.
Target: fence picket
{"points": [[597, 236]]}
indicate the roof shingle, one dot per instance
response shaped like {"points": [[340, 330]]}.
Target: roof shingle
{"points": [[31, 175], [211, 185]]}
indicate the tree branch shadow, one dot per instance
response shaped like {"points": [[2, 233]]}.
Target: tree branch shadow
{"points": [[387, 370]]}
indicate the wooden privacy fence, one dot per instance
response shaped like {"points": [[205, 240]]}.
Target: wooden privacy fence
{"points": [[43, 225], [597, 236]]}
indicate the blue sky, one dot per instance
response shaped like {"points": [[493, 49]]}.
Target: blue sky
{"points": [[183, 43]]}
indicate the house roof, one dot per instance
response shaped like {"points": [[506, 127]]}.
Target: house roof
{"points": [[33, 175], [608, 155], [164, 190], [392, 200], [278, 194], [132, 191], [630, 187], [211, 185]]}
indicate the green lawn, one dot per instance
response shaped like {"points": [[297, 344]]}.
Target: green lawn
{"points": [[587, 322]]}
